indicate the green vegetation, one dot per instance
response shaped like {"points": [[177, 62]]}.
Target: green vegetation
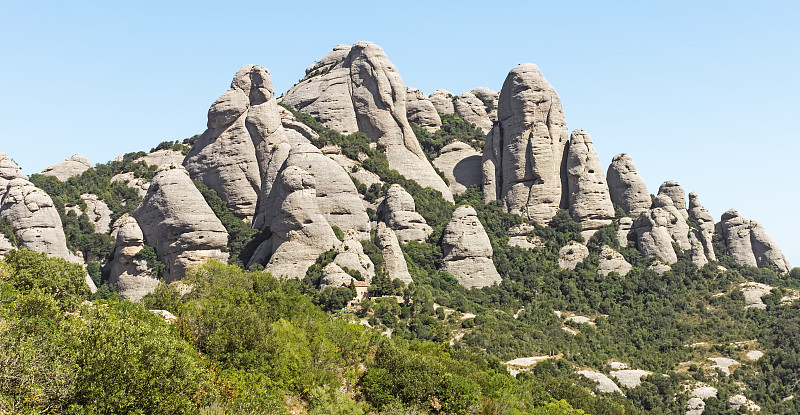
{"points": [[454, 128]]}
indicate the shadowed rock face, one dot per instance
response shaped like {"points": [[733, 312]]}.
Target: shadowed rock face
{"points": [[524, 162], [469, 107], [589, 201], [626, 186], [704, 219], [420, 110], [358, 89], [749, 244], [461, 164], [468, 251], [178, 223]]}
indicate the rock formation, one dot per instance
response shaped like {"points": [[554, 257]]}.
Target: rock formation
{"points": [[589, 201], [178, 223], [398, 210], [677, 194], [394, 263], [243, 123], [358, 89], [333, 276], [524, 156], [610, 260], [468, 251], [350, 254], [5, 245], [522, 236], [442, 100], [625, 225], [8, 172], [749, 244], [421, 111], [697, 251], [705, 221], [471, 109], [572, 254], [489, 99], [128, 273], [676, 225], [98, 212], [72, 166], [461, 165], [627, 188], [162, 158], [300, 232], [652, 236]]}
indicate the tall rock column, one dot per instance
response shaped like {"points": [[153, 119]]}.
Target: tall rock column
{"points": [[749, 244], [589, 201], [705, 221], [524, 162], [468, 251], [626, 186]]}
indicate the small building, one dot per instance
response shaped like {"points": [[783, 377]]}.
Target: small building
{"points": [[361, 289]]}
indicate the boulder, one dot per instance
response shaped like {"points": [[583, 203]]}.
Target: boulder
{"points": [[162, 158], [129, 274], [675, 192], [676, 225], [420, 110], [490, 99], [705, 221], [359, 89], [333, 276], [442, 100], [5, 245], [652, 235], [468, 251], [625, 225], [697, 251], [749, 244], [394, 263], [8, 172], [612, 261], [522, 236], [139, 183], [626, 186], [471, 109], [524, 163], [461, 165], [350, 254], [243, 124], [71, 166], [572, 254], [178, 223], [98, 212], [398, 210], [659, 267], [589, 201]]}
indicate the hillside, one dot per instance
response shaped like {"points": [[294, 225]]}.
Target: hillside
{"points": [[354, 246]]}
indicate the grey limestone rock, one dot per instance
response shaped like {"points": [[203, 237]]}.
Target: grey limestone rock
{"points": [[98, 212], [523, 236], [471, 109], [129, 274], [162, 158], [394, 262], [659, 267], [626, 186], [612, 261], [572, 254], [333, 276], [8, 172], [589, 201], [524, 163], [677, 194], [652, 235], [489, 99], [468, 251], [749, 244], [421, 111], [705, 221], [676, 225], [697, 250], [399, 212], [442, 100], [178, 223], [461, 164], [350, 254], [72, 166], [5, 245], [364, 92], [625, 225]]}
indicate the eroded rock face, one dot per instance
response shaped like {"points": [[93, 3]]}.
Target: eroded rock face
{"points": [[471, 109], [625, 225], [749, 244], [442, 100], [461, 164], [676, 225], [5, 245], [626, 186], [393, 260], [243, 124], [697, 249], [612, 261], [163, 158], [333, 276], [489, 99], [524, 162], [468, 251], [420, 110], [8, 172], [35, 219], [178, 223], [300, 232], [399, 212], [350, 254], [652, 235], [129, 274], [675, 192], [589, 200], [98, 212], [72, 166], [572, 254], [704, 219], [358, 89]]}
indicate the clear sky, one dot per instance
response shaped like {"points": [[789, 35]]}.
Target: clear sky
{"points": [[705, 93]]}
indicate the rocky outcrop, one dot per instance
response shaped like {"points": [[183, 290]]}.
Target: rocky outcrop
{"points": [[675, 192], [98, 212], [420, 110], [471, 109], [243, 125], [468, 251], [358, 89], [610, 261], [350, 255], [589, 201], [398, 210], [178, 223], [652, 235], [442, 100], [333, 276], [626, 186], [705, 221], [524, 155], [8, 172], [697, 251], [625, 225], [5, 245], [161, 158], [749, 244], [72, 166], [139, 183], [676, 225], [489, 99], [129, 274], [461, 165], [572, 254], [300, 232], [523, 236], [394, 263]]}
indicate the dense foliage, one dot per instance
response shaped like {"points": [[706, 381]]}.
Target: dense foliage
{"points": [[454, 128]]}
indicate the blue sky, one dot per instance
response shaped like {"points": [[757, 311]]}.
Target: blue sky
{"points": [[704, 93]]}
